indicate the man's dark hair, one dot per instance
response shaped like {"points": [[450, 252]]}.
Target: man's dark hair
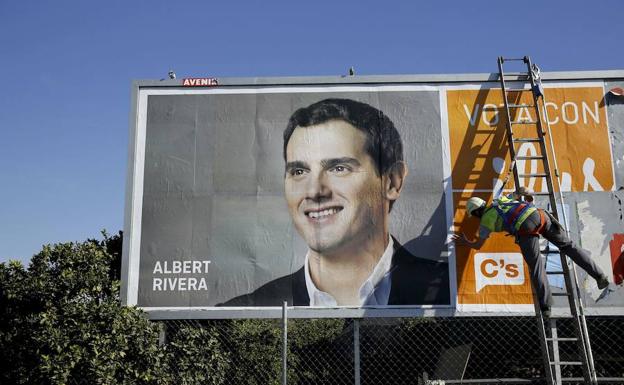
{"points": [[383, 142]]}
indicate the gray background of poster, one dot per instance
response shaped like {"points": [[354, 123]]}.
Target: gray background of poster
{"points": [[213, 187]]}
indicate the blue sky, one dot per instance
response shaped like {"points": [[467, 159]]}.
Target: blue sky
{"points": [[67, 67]]}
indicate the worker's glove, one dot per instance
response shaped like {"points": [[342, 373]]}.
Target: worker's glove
{"points": [[524, 192]]}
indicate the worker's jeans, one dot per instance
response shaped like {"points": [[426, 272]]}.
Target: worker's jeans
{"points": [[529, 244]]}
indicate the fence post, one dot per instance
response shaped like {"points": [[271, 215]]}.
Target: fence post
{"points": [[162, 333], [356, 350], [284, 345]]}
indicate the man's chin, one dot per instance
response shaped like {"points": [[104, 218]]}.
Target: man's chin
{"points": [[328, 247], [320, 248]]}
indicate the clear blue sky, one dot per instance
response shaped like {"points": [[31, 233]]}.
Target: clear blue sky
{"points": [[67, 67]]}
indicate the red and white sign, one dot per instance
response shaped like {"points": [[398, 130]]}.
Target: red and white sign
{"points": [[200, 82]]}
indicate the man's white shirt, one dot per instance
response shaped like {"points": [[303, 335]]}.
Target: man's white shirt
{"points": [[375, 291]]}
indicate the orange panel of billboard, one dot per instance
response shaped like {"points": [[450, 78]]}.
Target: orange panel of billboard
{"points": [[480, 160]]}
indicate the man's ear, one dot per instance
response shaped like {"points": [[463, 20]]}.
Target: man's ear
{"points": [[393, 180]]}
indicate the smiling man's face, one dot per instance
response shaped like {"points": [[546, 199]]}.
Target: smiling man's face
{"points": [[333, 190]]}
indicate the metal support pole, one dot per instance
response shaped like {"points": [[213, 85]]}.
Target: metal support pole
{"points": [[284, 344], [162, 334], [356, 350]]}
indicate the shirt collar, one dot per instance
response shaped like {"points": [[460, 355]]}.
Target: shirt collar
{"points": [[367, 292]]}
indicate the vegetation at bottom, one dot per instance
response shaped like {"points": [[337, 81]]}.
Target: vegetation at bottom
{"points": [[61, 322]]}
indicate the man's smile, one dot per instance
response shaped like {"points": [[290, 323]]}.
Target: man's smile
{"points": [[322, 213]]}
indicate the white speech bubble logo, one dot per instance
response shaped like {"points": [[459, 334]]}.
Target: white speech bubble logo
{"points": [[498, 269]]}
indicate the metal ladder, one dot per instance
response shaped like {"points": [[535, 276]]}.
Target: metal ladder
{"points": [[547, 326]]}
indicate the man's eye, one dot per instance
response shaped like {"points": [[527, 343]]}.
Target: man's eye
{"points": [[297, 172], [339, 169]]}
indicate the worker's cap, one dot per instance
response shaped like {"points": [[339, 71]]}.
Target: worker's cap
{"points": [[473, 204]]}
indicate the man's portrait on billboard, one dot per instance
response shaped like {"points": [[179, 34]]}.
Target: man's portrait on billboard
{"points": [[324, 197], [344, 170]]}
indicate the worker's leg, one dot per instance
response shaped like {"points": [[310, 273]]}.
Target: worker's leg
{"points": [[529, 244], [557, 236]]}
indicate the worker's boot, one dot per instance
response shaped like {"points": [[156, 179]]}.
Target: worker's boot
{"points": [[603, 282]]}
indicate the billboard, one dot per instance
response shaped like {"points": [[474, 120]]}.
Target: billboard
{"points": [[337, 196]]}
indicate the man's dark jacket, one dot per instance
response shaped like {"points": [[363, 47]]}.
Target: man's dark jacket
{"points": [[414, 281]]}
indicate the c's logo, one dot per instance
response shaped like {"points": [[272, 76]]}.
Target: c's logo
{"points": [[498, 269]]}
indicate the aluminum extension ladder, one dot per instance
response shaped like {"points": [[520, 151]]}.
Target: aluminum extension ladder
{"points": [[547, 326]]}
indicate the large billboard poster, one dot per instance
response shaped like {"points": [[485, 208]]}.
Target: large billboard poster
{"points": [[321, 197], [344, 196]]}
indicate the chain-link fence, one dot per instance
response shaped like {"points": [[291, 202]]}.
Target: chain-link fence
{"points": [[388, 350]]}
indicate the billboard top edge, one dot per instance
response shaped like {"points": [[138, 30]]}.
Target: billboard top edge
{"points": [[372, 79]]}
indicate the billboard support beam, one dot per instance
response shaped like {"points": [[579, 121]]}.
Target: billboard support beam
{"points": [[284, 344], [356, 350]]}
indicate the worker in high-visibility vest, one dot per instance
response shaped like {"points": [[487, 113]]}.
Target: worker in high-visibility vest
{"points": [[526, 222]]}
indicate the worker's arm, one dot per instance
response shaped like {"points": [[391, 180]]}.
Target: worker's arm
{"points": [[460, 239]]}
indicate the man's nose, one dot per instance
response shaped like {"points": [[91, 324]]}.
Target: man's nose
{"points": [[317, 188]]}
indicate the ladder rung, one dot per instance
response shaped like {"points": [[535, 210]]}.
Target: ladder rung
{"points": [[562, 339], [515, 74], [527, 140], [566, 363], [561, 294], [517, 89], [555, 272], [538, 175], [523, 122], [520, 105], [544, 194], [511, 59], [529, 157]]}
